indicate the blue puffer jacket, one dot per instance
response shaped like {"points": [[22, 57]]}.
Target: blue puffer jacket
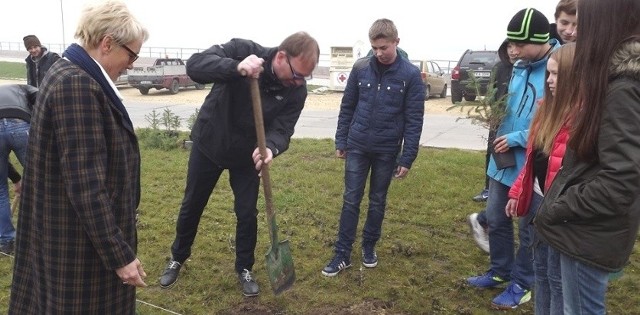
{"points": [[525, 89], [382, 112]]}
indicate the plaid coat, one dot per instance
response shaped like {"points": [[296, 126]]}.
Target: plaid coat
{"points": [[81, 188]]}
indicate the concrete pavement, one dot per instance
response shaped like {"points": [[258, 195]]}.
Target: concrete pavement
{"points": [[442, 131]]}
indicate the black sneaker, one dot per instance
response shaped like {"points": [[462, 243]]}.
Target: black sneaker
{"points": [[337, 264], [7, 248], [249, 285], [369, 257], [170, 275]]}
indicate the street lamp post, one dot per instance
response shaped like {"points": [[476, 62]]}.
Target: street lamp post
{"points": [[62, 16]]}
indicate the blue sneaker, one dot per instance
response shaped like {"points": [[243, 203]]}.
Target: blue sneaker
{"points": [[487, 280], [511, 297], [337, 264], [369, 257]]}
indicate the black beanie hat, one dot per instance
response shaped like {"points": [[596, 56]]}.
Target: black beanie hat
{"points": [[30, 40], [528, 26]]}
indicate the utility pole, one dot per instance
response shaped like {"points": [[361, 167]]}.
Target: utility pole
{"points": [[64, 46]]}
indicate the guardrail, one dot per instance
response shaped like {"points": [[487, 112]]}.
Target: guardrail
{"points": [[321, 72]]}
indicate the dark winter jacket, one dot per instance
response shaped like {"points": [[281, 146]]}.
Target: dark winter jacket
{"points": [[553, 33], [382, 112], [503, 70], [592, 210], [36, 69], [225, 128], [16, 101]]}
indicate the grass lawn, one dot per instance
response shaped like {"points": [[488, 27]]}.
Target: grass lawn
{"points": [[425, 252]]}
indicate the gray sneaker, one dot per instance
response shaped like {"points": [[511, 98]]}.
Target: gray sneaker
{"points": [[249, 285], [170, 275]]}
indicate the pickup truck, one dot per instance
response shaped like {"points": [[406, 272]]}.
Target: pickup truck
{"points": [[165, 73]]}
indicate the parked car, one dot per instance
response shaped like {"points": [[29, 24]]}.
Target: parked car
{"points": [[122, 80], [481, 62], [433, 78], [165, 73]]}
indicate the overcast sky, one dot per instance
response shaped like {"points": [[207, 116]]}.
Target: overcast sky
{"points": [[434, 29]]}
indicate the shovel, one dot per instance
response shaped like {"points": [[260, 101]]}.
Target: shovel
{"points": [[278, 258], [14, 204]]}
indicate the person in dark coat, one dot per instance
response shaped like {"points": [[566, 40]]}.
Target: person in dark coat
{"points": [[16, 101], [378, 135], [224, 136], [39, 60], [565, 27], [591, 213], [76, 243]]}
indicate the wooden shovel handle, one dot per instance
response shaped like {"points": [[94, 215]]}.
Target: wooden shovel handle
{"points": [[262, 146], [14, 203]]}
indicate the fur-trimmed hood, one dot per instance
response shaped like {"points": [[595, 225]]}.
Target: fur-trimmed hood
{"points": [[626, 61]]}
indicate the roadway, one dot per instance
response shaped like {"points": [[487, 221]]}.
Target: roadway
{"points": [[439, 130]]}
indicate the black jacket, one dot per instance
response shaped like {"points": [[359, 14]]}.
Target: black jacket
{"points": [[17, 100], [592, 210], [37, 70], [225, 128], [503, 70]]}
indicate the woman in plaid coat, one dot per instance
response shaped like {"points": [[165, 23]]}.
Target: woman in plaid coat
{"points": [[76, 237]]}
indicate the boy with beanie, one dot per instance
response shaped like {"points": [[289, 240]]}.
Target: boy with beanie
{"points": [[528, 32], [39, 60]]}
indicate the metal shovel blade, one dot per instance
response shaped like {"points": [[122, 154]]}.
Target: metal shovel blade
{"points": [[282, 275]]}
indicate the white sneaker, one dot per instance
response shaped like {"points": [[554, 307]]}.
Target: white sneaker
{"points": [[480, 234]]}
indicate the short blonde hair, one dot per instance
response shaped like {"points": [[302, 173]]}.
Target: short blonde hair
{"points": [[108, 18], [383, 28]]}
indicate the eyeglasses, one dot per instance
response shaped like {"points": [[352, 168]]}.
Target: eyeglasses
{"points": [[296, 75], [132, 55]]}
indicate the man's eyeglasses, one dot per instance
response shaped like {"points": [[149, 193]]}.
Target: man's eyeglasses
{"points": [[132, 55], [296, 75]]}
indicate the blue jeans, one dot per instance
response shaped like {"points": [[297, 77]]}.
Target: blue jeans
{"points": [[548, 289], [357, 167], [482, 218], [501, 241], [583, 287], [202, 176], [14, 134]]}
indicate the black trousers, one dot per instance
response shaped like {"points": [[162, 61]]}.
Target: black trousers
{"points": [[492, 136], [202, 176]]}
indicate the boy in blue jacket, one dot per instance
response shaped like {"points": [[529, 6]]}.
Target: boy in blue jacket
{"points": [[528, 30], [378, 132]]}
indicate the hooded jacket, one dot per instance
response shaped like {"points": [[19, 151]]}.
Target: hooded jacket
{"points": [[592, 210], [225, 128], [36, 69], [525, 89]]}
